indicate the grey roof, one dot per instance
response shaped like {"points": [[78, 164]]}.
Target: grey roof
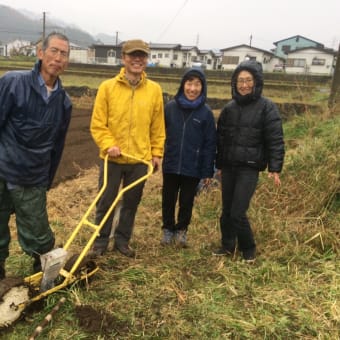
{"points": [[156, 46], [188, 48], [317, 48], [248, 46], [297, 36]]}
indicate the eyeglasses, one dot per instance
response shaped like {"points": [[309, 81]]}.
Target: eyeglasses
{"points": [[137, 54], [247, 81], [55, 51]]}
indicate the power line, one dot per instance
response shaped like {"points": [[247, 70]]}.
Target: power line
{"points": [[172, 21]]}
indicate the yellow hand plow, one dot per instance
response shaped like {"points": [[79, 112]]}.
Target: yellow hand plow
{"points": [[59, 269]]}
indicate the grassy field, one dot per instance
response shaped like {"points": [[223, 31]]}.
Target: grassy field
{"points": [[292, 292]]}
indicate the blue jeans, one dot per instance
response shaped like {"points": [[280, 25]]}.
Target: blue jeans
{"points": [[29, 205], [238, 187]]}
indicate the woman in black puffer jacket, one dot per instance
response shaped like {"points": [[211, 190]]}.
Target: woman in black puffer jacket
{"points": [[249, 140]]}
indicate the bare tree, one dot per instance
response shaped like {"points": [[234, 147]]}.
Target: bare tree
{"points": [[334, 98]]}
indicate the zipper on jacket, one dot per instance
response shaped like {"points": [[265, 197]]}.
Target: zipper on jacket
{"points": [[236, 134], [182, 140], [129, 134]]}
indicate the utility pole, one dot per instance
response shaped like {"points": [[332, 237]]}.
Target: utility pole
{"points": [[334, 98], [250, 39], [44, 26], [116, 38], [116, 47]]}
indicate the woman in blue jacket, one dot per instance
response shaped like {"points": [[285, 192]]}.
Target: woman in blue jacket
{"points": [[189, 154]]}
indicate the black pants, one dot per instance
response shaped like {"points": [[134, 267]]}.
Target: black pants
{"points": [[119, 174], [238, 187], [183, 189]]}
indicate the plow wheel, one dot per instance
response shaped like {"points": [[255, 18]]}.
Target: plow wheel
{"points": [[14, 297]]}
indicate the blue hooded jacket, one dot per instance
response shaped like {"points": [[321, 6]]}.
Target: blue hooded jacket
{"points": [[190, 144], [32, 131]]}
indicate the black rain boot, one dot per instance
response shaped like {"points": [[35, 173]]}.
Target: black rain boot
{"points": [[36, 264], [2, 270]]}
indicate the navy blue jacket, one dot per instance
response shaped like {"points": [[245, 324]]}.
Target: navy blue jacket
{"points": [[190, 143], [32, 132]]}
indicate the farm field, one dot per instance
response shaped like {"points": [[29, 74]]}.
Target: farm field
{"points": [[80, 151], [293, 290]]}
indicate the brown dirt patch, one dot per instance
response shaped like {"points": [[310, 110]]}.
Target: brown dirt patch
{"points": [[94, 321], [80, 152]]}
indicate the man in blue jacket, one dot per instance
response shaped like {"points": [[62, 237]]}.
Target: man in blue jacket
{"points": [[35, 113]]}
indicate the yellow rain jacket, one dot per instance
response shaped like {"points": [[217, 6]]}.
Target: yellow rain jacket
{"points": [[131, 118]]}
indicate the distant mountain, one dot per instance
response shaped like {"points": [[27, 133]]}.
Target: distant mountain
{"points": [[107, 39], [25, 25]]}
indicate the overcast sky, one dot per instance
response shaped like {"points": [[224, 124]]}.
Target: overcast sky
{"points": [[207, 24]]}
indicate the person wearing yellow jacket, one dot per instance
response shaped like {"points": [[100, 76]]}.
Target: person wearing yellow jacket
{"points": [[128, 117]]}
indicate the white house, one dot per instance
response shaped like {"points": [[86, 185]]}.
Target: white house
{"points": [[176, 55], [209, 59], [3, 50], [22, 47], [311, 60], [78, 54], [284, 46], [233, 56], [165, 55]]}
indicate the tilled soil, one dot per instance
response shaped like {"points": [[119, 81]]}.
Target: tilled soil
{"points": [[99, 321], [80, 152]]}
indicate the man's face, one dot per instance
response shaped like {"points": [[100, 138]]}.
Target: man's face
{"points": [[135, 62], [55, 58]]}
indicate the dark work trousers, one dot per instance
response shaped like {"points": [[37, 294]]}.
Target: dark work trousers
{"points": [[34, 232], [119, 174], [184, 189], [238, 187]]}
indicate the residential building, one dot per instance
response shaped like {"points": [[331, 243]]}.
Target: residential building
{"points": [[19, 47], [161, 55], [78, 54], [311, 60], [105, 54], [233, 56], [176, 55], [164, 55], [301, 55], [3, 50], [284, 46]]}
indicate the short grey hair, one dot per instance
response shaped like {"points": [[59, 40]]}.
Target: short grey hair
{"points": [[54, 34]]}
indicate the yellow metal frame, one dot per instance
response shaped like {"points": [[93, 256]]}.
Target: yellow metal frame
{"points": [[69, 276]]}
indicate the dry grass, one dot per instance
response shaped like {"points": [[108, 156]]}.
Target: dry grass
{"points": [[167, 293]]}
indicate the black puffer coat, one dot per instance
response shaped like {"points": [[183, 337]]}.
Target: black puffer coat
{"points": [[249, 129]]}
